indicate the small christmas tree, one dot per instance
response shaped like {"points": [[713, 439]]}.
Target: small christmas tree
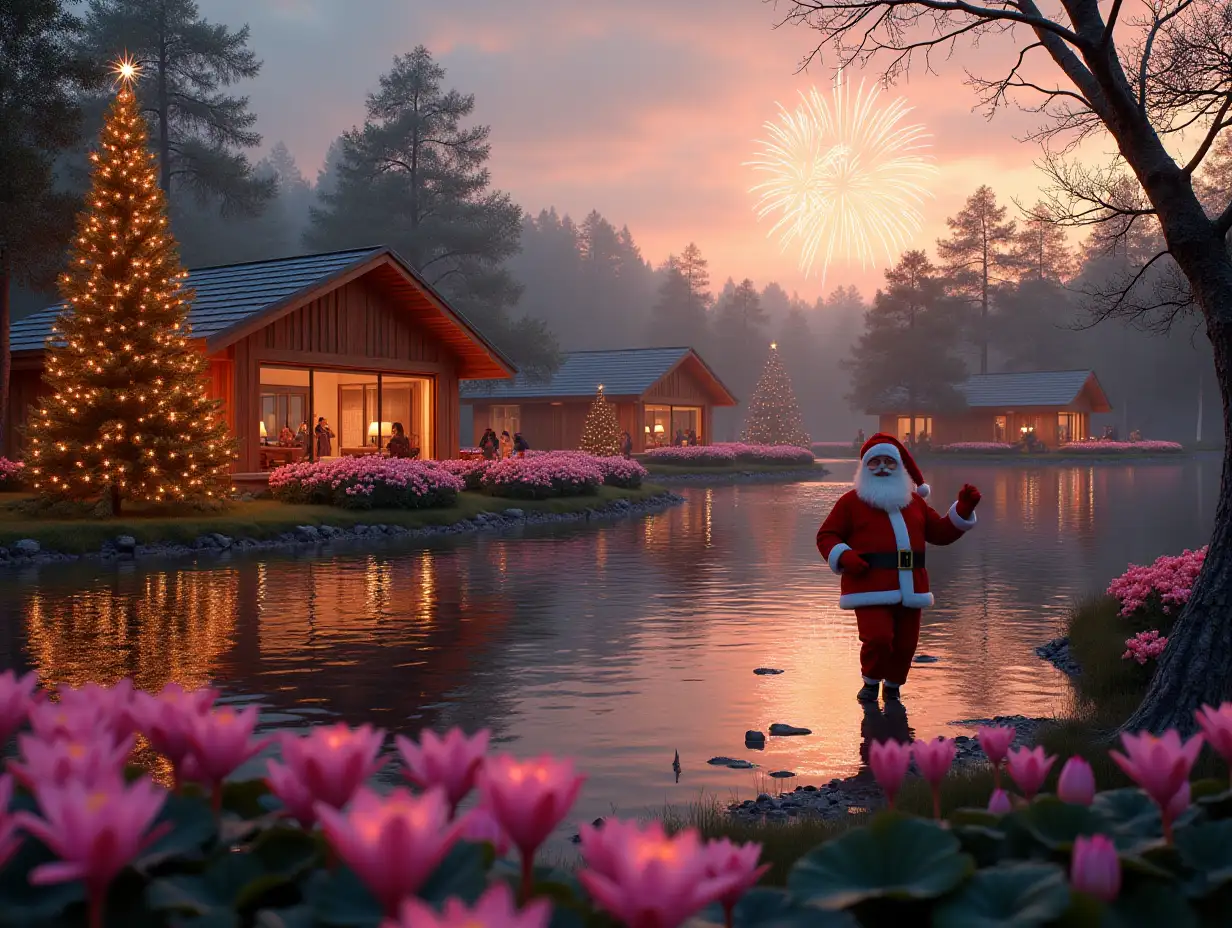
{"points": [[774, 416], [126, 415], [601, 433]]}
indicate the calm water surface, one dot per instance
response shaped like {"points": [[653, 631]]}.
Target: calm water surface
{"points": [[623, 644]]}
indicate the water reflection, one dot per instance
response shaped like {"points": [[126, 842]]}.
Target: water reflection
{"points": [[624, 643]]}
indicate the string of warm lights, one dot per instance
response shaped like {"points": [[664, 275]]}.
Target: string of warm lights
{"points": [[127, 413], [774, 415], [601, 431]]}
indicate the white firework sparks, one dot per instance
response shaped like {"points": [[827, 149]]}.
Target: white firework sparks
{"points": [[849, 177]]}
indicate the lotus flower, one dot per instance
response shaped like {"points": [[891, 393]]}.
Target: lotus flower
{"points": [[481, 825], [16, 701], [1178, 803], [999, 804], [392, 843], [80, 721], [889, 761], [726, 859], [96, 833], [644, 877], [995, 741], [495, 909], [167, 721], [1159, 765], [451, 762], [97, 763], [327, 766], [113, 703], [1076, 784], [1216, 724], [1095, 868], [1028, 768], [221, 741], [934, 759]]}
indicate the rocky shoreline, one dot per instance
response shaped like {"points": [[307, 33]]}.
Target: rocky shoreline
{"points": [[28, 552], [745, 476], [1056, 652], [860, 793]]}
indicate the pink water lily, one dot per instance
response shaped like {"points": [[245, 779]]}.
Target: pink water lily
{"points": [[995, 741], [999, 803], [1159, 765], [1028, 768], [1095, 868], [1216, 725], [451, 762], [168, 718], [495, 909], [221, 740], [80, 721], [934, 760], [96, 763], [327, 766], [16, 701], [1076, 784], [479, 825], [393, 843], [113, 703], [889, 761], [724, 858]]}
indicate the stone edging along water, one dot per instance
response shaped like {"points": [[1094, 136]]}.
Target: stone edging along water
{"points": [[125, 548], [816, 472]]}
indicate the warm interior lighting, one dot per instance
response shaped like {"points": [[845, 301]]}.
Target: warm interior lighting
{"points": [[264, 434], [658, 428], [386, 429]]}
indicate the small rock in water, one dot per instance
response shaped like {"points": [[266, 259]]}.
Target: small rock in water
{"points": [[926, 659], [782, 774], [721, 761], [766, 671], [741, 765], [782, 730], [754, 737]]}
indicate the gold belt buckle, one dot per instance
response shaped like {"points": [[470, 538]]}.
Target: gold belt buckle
{"points": [[906, 560]]}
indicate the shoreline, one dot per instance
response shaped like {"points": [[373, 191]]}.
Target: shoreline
{"points": [[959, 457], [505, 515], [720, 475]]}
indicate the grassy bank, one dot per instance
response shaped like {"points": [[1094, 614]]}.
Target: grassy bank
{"points": [[264, 519], [732, 470]]}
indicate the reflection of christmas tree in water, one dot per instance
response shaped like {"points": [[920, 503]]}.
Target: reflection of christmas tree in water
{"points": [[774, 416], [601, 433], [126, 415]]}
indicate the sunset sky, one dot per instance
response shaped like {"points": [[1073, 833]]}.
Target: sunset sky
{"points": [[643, 109]]}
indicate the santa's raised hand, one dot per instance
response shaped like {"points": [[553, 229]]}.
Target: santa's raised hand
{"points": [[968, 498]]}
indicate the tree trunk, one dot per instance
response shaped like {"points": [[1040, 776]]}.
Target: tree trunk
{"points": [[116, 502], [1196, 667], [6, 361]]}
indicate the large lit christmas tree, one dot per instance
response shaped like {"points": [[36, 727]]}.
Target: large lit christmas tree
{"points": [[126, 416], [774, 416], [601, 431]]}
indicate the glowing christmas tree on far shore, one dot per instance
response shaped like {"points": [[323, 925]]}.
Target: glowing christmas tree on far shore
{"points": [[126, 416], [774, 416], [601, 432]]}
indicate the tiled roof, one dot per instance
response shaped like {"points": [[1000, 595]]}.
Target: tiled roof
{"points": [[624, 372], [225, 295], [1034, 388]]}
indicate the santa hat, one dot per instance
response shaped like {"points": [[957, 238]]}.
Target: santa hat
{"points": [[889, 446]]}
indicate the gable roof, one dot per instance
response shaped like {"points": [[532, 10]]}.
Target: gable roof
{"points": [[1033, 388], [625, 372], [232, 300]]}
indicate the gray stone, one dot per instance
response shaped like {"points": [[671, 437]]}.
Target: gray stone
{"points": [[782, 731], [741, 765], [126, 543], [514, 513], [754, 737], [221, 540], [360, 530], [721, 761], [926, 659], [782, 774], [27, 547], [766, 671], [307, 533]]}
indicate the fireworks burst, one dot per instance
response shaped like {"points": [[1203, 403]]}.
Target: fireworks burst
{"points": [[848, 176]]}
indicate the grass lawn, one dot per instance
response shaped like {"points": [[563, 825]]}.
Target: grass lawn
{"points": [[267, 519], [677, 470]]}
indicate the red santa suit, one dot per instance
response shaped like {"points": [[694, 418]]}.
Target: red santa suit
{"points": [[892, 538]]}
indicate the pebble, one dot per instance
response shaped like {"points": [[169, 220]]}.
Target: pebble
{"points": [[926, 659], [732, 762], [1056, 652], [754, 738], [28, 551], [782, 774], [782, 731], [766, 671]]}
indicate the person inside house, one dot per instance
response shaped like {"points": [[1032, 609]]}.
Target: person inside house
{"points": [[325, 438], [489, 444], [875, 539], [520, 445], [399, 445], [506, 445], [691, 438], [301, 437], [626, 444]]}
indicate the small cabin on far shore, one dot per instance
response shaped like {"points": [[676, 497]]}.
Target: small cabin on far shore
{"points": [[658, 395], [1054, 406]]}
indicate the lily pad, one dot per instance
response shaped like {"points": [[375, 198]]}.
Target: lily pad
{"points": [[895, 857], [1206, 850], [1149, 906], [338, 899], [193, 829], [762, 907], [1055, 824], [462, 874], [1020, 895]]}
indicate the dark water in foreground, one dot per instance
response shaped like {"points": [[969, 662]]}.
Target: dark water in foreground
{"points": [[623, 644]]}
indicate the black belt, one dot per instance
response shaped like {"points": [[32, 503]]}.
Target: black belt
{"points": [[894, 560]]}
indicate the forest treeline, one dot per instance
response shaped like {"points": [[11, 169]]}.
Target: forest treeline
{"points": [[1001, 292]]}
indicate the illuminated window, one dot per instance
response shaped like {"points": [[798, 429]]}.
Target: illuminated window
{"points": [[923, 427]]}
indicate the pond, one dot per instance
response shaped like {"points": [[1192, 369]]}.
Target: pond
{"points": [[623, 644]]}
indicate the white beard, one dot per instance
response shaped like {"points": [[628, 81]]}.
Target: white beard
{"points": [[890, 493]]}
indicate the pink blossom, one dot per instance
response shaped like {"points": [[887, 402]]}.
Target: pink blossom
{"points": [[481, 825], [1170, 579], [725, 858], [451, 762], [1028, 768], [1076, 784], [728, 453], [1101, 446], [889, 761], [644, 878], [80, 721], [1216, 724], [113, 703], [544, 475], [364, 481], [999, 803], [167, 720], [1144, 646], [1178, 803], [1095, 868], [934, 759], [327, 765], [10, 472], [16, 700], [995, 740], [93, 762], [221, 740], [495, 909], [1158, 765], [393, 843]]}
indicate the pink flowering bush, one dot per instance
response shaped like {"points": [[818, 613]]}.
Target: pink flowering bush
{"points": [[1160, 587], [1144, 646], [622, 472], [1121, 447], [976, 447], [470, 472], [10, 474], [543, 475], [726, 454], [366, 482]]}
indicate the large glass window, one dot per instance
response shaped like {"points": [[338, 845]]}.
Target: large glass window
{"points": [[672, 425], [1069, 427], [406, 402], [923, 429], [506, 419], [999, 427], [284, 427]]}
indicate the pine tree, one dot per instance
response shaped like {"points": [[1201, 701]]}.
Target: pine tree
{"points": [[774, 416], [601, 433], [126, 414]]}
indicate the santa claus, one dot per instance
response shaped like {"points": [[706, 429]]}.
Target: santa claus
{"points": [[874, 539]]}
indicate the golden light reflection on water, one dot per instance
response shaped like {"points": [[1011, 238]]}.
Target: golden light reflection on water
{"points": [[623, 643]]}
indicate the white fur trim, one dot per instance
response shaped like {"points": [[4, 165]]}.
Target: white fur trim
{"points": [[835, 553], [963, 525], [875, 598], [882, 449], [923, 490], [870, 681], [906, 578]]}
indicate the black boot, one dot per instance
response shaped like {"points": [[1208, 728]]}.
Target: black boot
{"points": [[868, 693], [890, 692]]}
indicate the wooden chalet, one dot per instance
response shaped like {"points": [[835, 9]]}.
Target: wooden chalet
{"points": [[660, 395], [1054, 406], [358, 337]]}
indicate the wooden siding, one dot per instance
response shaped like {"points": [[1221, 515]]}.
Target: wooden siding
{"points": [[677, 388], [979, 425], [25, 388]]}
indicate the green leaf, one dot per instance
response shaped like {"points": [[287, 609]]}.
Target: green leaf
{"points": [[1055, 824], [977, 817], [219, 887], [215, 918], [193, 830], [22, 903], [763, 907], [986, 845], [338, 898], [286, 850], [1150, 906], [461, 874], [245, 798], [1207, 850], [894, 857], [1020, 894], [299, 916]]}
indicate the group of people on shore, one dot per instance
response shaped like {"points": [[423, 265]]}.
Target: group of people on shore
{"points": [[505, 446], [398, 446]]}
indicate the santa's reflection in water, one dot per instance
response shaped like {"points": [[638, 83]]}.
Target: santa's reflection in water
{"points": [[888, 724]]}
